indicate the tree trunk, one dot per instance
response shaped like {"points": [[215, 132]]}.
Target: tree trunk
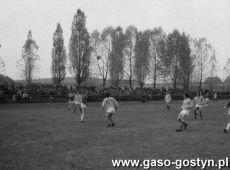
{"points": [[130, 82], [104, 81], [141, 84], [174, 83], [78, 81], [154, 78], [200, 85], [188, 82], [175, 75]]}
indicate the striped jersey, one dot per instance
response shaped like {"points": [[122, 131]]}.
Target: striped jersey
{"points": [[167, 97], [199, 100], [78, 98], [187, 104], [109, 102]]}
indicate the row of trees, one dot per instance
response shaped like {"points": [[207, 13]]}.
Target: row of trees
{"points": [[116, 54], [2, 65]]}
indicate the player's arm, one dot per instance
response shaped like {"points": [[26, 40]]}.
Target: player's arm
{"points": [[194, 100], [116, 104], [190, 104]]}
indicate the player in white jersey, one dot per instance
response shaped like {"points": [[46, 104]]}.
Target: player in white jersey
{"points": [[215, 97], [80, 101], [206, 100], [109, 105], [185, 111], [199, 102], [167, 100], [228, 124], [83, 107]]}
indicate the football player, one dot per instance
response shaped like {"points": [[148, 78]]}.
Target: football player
{"points": [[109, 105]]}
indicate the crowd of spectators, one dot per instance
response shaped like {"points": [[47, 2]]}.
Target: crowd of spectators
{"points": [[36, 92]]}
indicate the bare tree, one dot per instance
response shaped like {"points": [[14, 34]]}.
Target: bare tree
{"points": [[226, 68], [27, 65], [2, 67], [170, 59], [201, 50], [226, 73], [129, 64], [142, 57], [102, 47], [213, 68], [156, 36]]}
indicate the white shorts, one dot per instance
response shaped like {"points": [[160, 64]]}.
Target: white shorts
{"points": [[110, 110], [199, 106], [183, 114], [83, 106], [168, 101], [77, 103]]}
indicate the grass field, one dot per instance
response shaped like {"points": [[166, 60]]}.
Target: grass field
{"points": [[50, 137]]}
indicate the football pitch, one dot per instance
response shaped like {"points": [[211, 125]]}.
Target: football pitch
{"points": [[50, 137]]}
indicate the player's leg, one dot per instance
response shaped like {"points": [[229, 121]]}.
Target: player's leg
{"points": [[228, 125], [111, 120], [183, 121], [108, 119], [200, 111], [195, 112], [180, 117], [75, 108], [168, 107], [184, 124], [82, 115], [83, 111], [69, 105]]}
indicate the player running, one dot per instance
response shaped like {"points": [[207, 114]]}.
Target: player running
{"points": [[199, 102], [167, 100], [83, 107], [206, 100], [80, 101], [215, 97], [77, 101], [110, 105], [185, 111], [228, 124]]}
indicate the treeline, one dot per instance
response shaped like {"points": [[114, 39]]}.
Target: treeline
{"points": [[116, 53]]}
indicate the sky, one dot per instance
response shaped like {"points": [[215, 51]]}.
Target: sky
{"points": [[199, 18]]}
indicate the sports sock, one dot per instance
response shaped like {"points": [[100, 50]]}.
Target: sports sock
{"points": [[201, 115], [82, 115], [195, 114]]}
